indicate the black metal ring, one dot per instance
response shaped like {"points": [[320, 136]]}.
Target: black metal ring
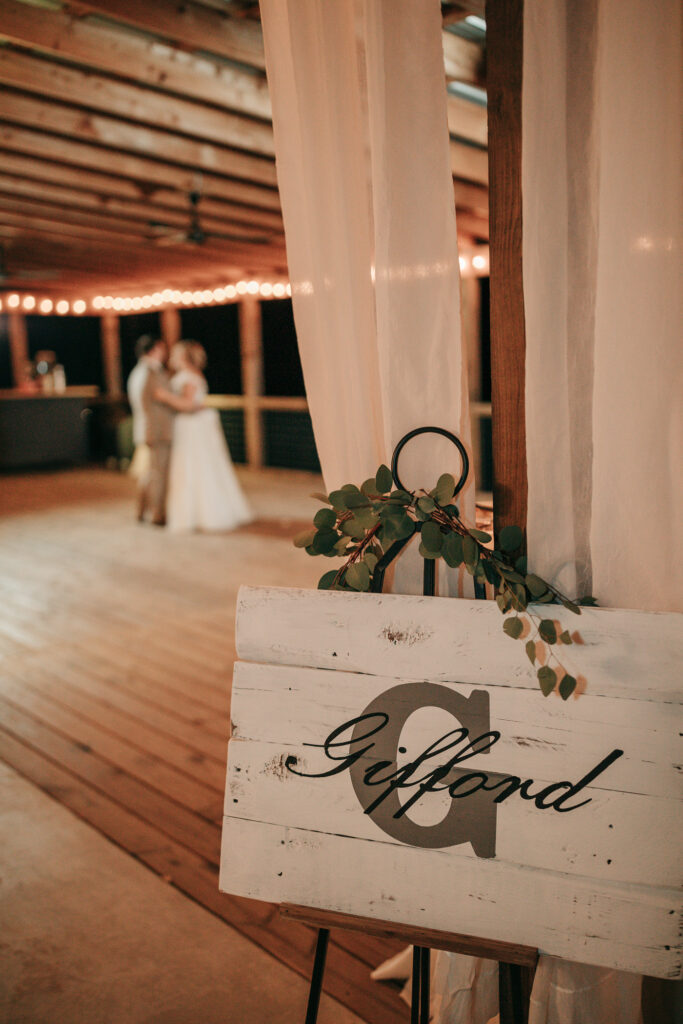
{"points": [[431, 430]]}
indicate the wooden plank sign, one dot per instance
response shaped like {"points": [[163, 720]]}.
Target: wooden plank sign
{"points": [[392, 757]]}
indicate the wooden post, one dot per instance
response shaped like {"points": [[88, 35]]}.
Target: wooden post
{"points": [[251, 350], [111, 353], [171, 328], [504, 35], [18, 345]]}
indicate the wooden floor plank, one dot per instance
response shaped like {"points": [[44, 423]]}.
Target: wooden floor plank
{"points": [[117, 649]]}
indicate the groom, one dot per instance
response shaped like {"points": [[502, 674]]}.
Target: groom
{"points": [[152, 425]]}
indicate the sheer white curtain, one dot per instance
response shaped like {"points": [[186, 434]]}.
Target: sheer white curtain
{"points": [[359, 114], [602, 287]]}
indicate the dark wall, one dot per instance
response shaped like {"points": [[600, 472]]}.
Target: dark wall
{"points": [[76, 342], [131, 328], [5, 359], [281, 363], [217, 329]]}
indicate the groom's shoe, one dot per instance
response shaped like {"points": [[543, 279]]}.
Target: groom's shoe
{"points": [[159, 521]]}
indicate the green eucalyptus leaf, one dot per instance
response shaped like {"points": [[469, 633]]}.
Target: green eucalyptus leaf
{"points": [[358, 576], [338, 500], [401, 497], [514, 627], [426, 504], [470, 551], [404, 527], [320, 497], [369, 487], [567, 687], [510, 539], [570, 606], [491, 572], [350, 489], [503, 601], [384, 481], [341, 545], [354, 499], [432, 537], [324, 541], [530, 648], [432, 555], [521, 565], [371, 560], [565, 637], [587, 602], [325, 517], [445, 486], [535, 585], [353, 528], [310, 550], [548, 632], [304, 539], [452, 550], [481, 536], [520, 601], [326, 581], [545, 598], [546, 680]]}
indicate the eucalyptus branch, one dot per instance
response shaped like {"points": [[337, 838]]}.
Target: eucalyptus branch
{"points": [[359, 523]]}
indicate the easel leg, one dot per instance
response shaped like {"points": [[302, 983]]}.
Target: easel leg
{"points": [[424, 985], [419, 1003], [317, 976], [514, 990]]}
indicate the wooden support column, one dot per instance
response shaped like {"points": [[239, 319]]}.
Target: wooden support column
{"points": [[171, 328], [111, 353], [504, 41], [251, 350], [18, 345]]}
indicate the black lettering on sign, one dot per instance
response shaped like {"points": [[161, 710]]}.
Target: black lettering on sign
{"points": [[367, 747]]}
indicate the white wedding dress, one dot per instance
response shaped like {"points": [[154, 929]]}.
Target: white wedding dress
{"points": [[203, 490]]}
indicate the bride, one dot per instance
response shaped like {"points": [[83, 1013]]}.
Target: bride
{"points": [[203, 490]]}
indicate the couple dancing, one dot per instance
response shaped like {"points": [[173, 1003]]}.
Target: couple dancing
{"points": [[185, 476]]}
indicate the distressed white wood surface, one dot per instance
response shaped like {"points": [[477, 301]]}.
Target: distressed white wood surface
{"points": [[611, 926], [537, 734], [597, 885], [618, 836], [443, 639]]}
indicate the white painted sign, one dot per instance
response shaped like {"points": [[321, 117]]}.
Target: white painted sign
{"points": [[392, 757]]}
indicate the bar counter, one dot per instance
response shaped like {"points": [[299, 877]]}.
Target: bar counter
{"points": [[42, 429]]}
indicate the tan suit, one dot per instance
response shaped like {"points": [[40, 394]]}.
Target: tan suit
{"points": [[153, 426]]}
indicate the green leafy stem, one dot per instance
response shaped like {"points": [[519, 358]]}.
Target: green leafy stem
{"points": [[359, 524]]}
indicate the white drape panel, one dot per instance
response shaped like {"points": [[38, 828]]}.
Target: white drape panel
{"points": [[602, 287], [359, 114]]}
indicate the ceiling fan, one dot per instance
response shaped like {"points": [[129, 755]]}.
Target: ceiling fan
{"points": [[163, 234]]}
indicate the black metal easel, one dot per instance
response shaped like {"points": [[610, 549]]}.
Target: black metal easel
{"points": [[513, 997]]}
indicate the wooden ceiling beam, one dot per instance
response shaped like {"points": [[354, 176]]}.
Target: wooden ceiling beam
{"points": [[114, 134], [191, 26], [188, 25], [159, 66], [133, 56], [117, 226], [96, 92], [143, 175], [467, 120], [77, 194], [469, 163]]}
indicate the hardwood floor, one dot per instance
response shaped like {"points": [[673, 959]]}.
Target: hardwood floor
{"points": [[116, 648]]}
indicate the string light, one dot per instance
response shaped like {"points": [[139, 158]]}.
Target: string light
{"points": [[473, 262]]}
